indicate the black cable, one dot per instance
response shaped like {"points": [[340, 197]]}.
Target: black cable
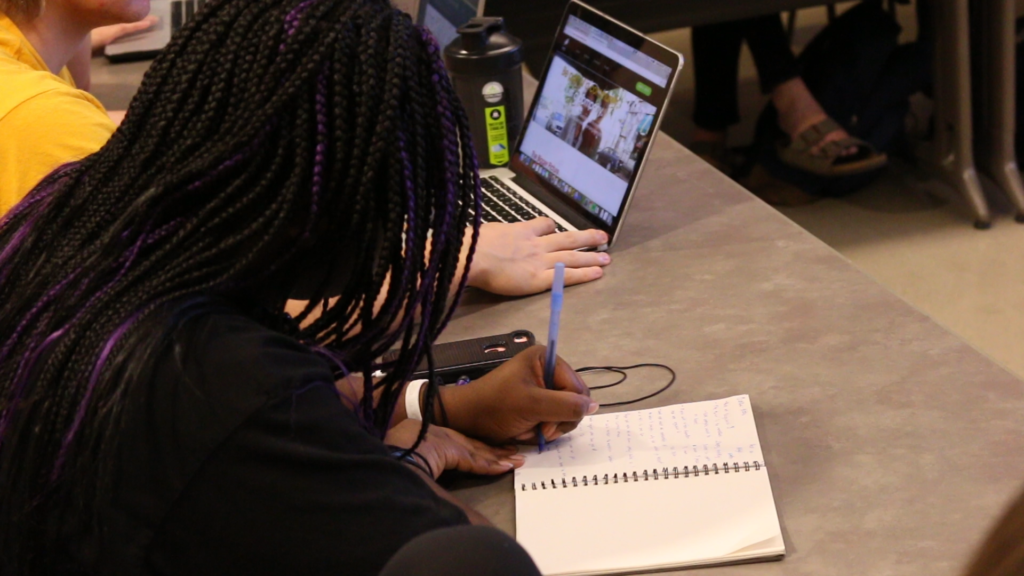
{"points": [[604, 369], [621, 370]]}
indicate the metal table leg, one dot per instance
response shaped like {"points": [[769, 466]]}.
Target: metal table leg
{"points": [[951, 151], [997, 147]]}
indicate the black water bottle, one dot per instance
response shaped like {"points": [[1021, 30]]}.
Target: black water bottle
{"points": [[486, 66]]}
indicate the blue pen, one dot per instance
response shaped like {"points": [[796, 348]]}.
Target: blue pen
{"points": [[557, 291]]}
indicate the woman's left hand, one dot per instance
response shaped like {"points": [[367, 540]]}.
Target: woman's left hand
{"points": [[445, 449], [507, 404]]}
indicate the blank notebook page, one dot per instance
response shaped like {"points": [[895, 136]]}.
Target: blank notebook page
{"points": [[573, 521]]}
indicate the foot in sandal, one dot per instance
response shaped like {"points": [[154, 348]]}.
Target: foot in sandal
{"points": [[817, 143]]}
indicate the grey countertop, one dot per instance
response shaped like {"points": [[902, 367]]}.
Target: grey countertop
{"points": [[892, 444]]}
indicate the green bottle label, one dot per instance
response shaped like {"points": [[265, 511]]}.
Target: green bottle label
{"points": [[497, 136]]}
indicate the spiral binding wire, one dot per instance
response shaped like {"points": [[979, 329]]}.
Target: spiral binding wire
{"points": [[645, 476]]}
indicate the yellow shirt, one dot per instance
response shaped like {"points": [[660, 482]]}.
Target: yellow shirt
{"points": [[45, 121]]}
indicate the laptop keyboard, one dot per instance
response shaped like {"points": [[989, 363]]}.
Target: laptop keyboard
{"points": [[502, 203]]}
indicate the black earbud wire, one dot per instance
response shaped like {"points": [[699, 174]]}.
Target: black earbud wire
{"points": [[621, 370]]}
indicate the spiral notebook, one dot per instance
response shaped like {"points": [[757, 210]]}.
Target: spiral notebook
{"points": [[672, 487]]}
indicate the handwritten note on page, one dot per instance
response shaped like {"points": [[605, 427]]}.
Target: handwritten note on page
{"points": [[700, 433]]}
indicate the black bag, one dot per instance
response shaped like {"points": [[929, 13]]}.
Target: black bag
{"points": [[863, 78]]}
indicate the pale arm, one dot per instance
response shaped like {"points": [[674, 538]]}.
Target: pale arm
{"points": [[519, 259]]}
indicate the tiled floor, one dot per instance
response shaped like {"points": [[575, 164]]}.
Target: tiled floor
{"points": [[906, 232]]}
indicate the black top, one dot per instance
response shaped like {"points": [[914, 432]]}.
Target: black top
{"points": [[238, 457]]}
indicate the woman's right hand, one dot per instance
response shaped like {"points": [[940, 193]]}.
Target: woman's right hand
{"points": [[446, 449]]}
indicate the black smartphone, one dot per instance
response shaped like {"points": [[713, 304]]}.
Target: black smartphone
{"points": [[472, 358]]}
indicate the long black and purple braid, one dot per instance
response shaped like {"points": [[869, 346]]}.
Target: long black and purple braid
{"points": [[269, 132]]}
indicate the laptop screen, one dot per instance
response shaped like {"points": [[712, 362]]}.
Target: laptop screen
{"points": [[444, 17], [594, 118]]}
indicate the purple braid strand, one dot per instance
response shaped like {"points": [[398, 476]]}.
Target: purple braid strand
{"points": [[93, 380]]}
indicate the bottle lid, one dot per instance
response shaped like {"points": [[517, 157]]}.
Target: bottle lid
{"points": [[483, 47]]}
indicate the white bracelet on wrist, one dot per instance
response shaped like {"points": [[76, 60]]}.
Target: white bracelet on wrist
{"points": [[412, 400]]}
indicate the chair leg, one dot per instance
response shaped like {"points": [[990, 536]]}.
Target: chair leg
{"points": [[951, 152], [997, 147], [791, 27]]}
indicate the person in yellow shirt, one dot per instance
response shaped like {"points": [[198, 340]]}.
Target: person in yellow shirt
{"points": [[45, 120]]}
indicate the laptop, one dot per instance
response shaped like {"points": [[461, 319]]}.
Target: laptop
{"points": [[171, 16], [589, 131]]}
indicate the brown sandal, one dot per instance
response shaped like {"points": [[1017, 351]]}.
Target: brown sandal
{"points": [[828, 160]]}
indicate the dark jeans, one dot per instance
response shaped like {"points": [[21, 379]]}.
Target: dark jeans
{"points": [[461, 551], [716, 58]]}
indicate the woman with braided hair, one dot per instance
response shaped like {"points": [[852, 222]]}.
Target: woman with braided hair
{"points": [[158, 414]]}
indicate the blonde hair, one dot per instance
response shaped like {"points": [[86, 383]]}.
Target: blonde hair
{"points": [[1002, 553], [27, 9]]}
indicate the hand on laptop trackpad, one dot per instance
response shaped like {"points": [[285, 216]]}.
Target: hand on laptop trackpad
{"points": [[518, 259]]}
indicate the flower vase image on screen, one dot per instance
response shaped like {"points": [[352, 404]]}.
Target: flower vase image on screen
{"points": [[593, 134]]}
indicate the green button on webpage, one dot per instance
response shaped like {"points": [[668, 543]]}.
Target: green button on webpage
{"points": [[643, 88]]}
